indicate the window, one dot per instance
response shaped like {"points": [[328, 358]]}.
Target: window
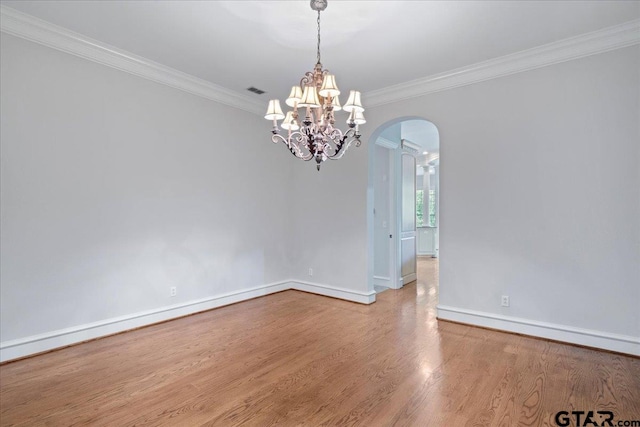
{"points": [[420, 208], [432, 208], [426, 210]]}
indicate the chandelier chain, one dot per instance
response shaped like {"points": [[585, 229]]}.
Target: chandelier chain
{"points": [[318, 37]]}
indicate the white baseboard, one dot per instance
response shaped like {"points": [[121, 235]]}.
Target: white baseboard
{"points": [[39, 343], [35, 344], [335, 292], [22, 347], [431, 254], [382, 281], [590, 338], [409, 278]]}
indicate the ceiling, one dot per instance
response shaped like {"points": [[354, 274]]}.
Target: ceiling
{"points": [[369, 45], [417, 131]]}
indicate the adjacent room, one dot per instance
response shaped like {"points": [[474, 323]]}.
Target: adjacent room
{"points": [[305, 213]]}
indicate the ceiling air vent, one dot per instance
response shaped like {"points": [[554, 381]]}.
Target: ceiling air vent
{"points": [[255, 90]]}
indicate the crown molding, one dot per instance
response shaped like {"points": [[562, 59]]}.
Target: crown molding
{"points": [[36, 30], [411, 146], [31, 28], [386, 143], [604, 40]]}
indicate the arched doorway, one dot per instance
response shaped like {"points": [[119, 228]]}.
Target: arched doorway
{"points": [[402, 200]]}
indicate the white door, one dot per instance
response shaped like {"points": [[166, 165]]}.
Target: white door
{"points": [[383, 228], [408, 219]]}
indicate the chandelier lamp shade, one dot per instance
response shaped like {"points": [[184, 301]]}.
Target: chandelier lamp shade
{"points": [[317, 99]]}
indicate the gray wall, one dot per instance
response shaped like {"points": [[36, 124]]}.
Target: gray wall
{"points": [[539, 194], [327, 223], [115, 188], [539, 176]]}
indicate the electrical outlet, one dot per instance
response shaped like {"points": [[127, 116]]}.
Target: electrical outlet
{"points": [[505, 300], [310, 271], [173, 291]]}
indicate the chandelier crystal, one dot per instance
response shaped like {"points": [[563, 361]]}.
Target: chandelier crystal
{"points": [[315, 137]]}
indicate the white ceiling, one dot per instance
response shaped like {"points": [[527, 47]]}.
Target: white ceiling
{"points": [[423, 133], [369, 45]]}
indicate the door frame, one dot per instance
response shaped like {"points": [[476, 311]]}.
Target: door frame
{"points": [[407, 149], [394, 281], [395, 148]]}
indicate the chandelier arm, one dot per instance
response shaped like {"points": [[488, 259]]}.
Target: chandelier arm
{"points": [[345, 142], [294, 147], [307, 80], [336, 137], [305, 138]]}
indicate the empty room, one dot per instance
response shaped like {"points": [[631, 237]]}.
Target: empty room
{"points": [[319, 213]]}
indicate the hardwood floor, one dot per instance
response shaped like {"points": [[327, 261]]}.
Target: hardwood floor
{"points": [[295, 359]]}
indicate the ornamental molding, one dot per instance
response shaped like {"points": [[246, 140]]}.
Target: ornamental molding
{"points": [[611, 38], [36, 30]]}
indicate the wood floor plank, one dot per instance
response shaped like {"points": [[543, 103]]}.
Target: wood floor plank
{"points": [[297, 359]]}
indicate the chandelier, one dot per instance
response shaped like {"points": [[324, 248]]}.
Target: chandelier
{"points": [[315, 136]]}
